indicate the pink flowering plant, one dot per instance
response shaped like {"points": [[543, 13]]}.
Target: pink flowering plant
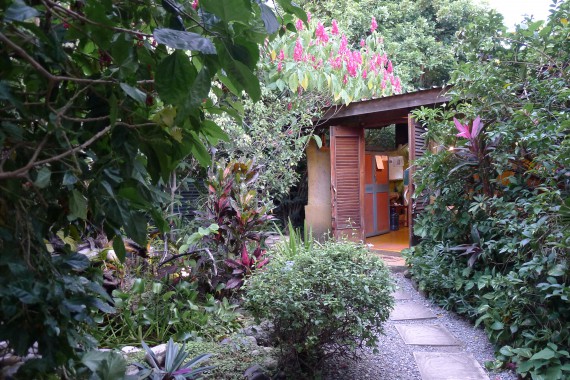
{"points": [[318, 58], [474, 151]]}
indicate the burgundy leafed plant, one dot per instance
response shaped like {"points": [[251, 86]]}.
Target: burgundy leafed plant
{"points": [[475, 151], [245, 265]]}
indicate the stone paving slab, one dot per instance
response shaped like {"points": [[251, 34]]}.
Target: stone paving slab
{"points": [[449, 366], [426, 335], [400, 295], [410, 311]]}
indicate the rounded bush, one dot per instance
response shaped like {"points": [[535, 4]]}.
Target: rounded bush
{"points": [[328, 300]]}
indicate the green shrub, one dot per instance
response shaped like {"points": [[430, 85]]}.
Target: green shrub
{"points": [[329, 300], [495, 239]]}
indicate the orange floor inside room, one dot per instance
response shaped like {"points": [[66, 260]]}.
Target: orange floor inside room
{"points": [[394, 241]]}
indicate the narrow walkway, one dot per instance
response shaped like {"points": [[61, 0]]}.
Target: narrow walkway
{"points": [[422, 342]]}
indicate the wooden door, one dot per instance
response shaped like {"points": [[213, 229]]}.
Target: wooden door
{"points": [[376, 195], [417, 148], [347, 181]]}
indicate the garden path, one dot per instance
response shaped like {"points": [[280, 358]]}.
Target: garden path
{"points": [[421, 341]]}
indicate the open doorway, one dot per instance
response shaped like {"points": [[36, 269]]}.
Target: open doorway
{"points": [[386, 198]]}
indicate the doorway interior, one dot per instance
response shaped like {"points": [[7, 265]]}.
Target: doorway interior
{"points": [[385, 205]]}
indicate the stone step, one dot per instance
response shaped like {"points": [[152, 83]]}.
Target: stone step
{"points": [[449, 366], [410, 311], [426, 335]]}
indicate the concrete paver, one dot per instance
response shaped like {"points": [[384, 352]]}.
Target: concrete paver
{"points": [[410, 311], [426, 335], [449, 366], [400, 295]]}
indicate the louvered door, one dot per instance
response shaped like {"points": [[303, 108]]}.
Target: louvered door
{"points": [[417, 148], [347, 182]]}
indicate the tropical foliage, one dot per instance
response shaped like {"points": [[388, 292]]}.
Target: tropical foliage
{"points": [[495, 237], [100, 102]]}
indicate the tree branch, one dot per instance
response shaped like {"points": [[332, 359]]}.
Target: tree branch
{"points": [[69, 12], [57, 78], [23, 171]]}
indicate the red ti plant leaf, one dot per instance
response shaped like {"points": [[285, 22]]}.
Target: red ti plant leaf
{"points": [[262, 263], [477, 127], [234, 282], [463, 129], [245, 259]]}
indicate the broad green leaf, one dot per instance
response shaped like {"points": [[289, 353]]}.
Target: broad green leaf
{"points": [[69, 178], [165, 117], [134, 93], [497, 326], [242, 77], [77, 261], [290, 7], [119, 248], [293, 82], [102, 306], [78, 205], [558, 270], [199, 151], [174, 77], [544, 354], [213, 132], [19, 11], [198, 93], [42, 178], [200, 88], [121, 48], [177, 39], [229, 10], [135, 226], [106, 365]]}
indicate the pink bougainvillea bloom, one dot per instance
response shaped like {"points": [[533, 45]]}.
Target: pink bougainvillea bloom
{"points": [[390, 69], [195, 4], [281, 55], [334, 30], [280, 66], [357, 57], [398, 85], [463, 129], [383, 84], [343, 45], [362, 42], [351, 67], [364, 74], [298, 52], [321, 34], [344, 79], [289, 106], [373, 25], [336, 62], [299, 24]]}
